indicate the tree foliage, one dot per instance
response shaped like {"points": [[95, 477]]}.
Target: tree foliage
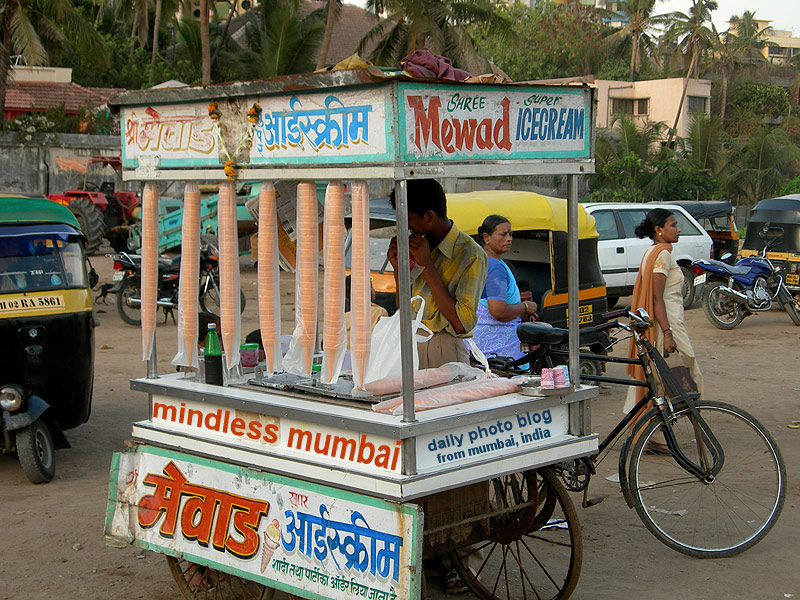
{"points": [[760, 98]]}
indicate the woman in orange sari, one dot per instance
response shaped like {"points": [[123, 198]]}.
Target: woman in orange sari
{"points": [[658, 290]]}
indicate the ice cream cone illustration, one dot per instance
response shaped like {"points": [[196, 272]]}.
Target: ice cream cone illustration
{"points": [[272, 539]]}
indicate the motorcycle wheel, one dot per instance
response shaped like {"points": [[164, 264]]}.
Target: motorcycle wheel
{"points": [[789, 305], [688, 287], [129, 313], [36, 452], [721, 311]]}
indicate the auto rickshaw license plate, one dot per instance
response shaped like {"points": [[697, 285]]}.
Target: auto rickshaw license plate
{"points": [[793, 278], [25, 304]]}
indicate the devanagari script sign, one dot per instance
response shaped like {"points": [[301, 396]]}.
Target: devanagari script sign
{"points": [[384, 123], [280, 532]]}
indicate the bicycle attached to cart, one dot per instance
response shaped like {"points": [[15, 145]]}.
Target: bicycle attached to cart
{"points": [[720, 484]]}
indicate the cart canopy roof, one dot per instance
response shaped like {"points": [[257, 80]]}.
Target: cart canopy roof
{"points": [[21, 208], [703, 209]]}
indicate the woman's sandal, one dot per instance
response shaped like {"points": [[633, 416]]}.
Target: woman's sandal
{"points": [[453, 583]]}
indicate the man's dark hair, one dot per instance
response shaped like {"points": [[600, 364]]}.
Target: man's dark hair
{"points": [[424, 195], [204, 319], [524, 286]]}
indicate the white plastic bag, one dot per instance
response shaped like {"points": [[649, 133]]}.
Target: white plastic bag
{"points": [[384, 355]]}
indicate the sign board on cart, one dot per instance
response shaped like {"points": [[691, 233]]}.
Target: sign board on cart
{"points": [[331, 446], [304, 538], [390, 122]]}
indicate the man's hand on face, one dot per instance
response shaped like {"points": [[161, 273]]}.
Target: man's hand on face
{"points": [[391, 253], [420, 250]]}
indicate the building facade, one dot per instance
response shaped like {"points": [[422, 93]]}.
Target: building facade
{"points": [[654, 100]]}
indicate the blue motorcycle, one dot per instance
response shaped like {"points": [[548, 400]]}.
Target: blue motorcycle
{"points": [[754, 284]]}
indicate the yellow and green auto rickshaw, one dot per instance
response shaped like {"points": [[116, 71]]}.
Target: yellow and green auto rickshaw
{"points": [[781, 216], [538, 254], [47, 328]]}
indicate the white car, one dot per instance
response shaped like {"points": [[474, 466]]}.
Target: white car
{"points": [[620, 251]]}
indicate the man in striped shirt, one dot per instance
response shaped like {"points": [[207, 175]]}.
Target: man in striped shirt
{"points": [[453, 273]]}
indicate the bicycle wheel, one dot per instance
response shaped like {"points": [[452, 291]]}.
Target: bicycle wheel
{"points": [[533, 552], [198, 582], [712, 517]]}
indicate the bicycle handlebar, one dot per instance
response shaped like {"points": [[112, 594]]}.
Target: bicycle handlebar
{"points": [[609, 325], [614, 314]]}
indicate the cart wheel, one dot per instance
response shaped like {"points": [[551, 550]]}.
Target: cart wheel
{"points": [[198, 582], [535, 552]]}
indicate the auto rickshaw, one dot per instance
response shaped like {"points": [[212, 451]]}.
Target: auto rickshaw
{"points": [[47, 328], [780, 214], [717, 218], [538, 254]]}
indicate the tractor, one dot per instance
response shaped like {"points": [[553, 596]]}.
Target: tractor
{"points": [[102, 212]]}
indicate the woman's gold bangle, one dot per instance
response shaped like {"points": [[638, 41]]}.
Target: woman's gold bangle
{"points": [[524, 307]]}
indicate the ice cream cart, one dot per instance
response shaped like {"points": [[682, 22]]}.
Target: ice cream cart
{"points": [[285, 478]]}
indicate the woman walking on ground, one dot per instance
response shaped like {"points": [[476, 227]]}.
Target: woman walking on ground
{"points": [[500, 309], [658, 290]]}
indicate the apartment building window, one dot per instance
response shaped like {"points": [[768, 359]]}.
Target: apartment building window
{"points": [[630, 106], [696, 104], [622, 106], [778, 51]]}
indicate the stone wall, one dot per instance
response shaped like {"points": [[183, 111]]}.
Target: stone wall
{"points": [[33, 169]]}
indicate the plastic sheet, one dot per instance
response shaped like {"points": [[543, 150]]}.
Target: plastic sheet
{"points": [[424, 378], [189, 291], [334, 333], [458, 393], [229, 302], [149, 268], [360, 291], [269, 311], [299, 358]]}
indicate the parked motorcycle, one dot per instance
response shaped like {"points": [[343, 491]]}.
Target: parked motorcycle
{"points": [[752, 285], [128, 287]]}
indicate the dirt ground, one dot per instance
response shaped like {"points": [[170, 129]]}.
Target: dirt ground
{"points": [[53, 545]]}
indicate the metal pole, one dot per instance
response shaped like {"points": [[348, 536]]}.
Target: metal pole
{"points": [[573, 281], [406, 335], [152, 362]]}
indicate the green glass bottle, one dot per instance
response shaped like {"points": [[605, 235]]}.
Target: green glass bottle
{"points": [[213, 356]]}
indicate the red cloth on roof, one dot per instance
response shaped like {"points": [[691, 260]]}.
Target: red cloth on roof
{"points": [[425, 64]]}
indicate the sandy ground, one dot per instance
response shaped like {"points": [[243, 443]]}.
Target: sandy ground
{"points": [[53, 545]]}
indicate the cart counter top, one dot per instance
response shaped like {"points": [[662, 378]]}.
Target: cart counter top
{"points": [[350, 446]]}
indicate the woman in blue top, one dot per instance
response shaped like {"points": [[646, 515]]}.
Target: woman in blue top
{"points": [[500, 308]]}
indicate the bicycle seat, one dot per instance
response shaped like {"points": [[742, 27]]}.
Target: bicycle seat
{"points": [[541, 333]]}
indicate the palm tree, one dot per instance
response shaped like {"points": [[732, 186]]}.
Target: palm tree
{"points": [[439, 25], [639, 28], [279, 41], [749, 40], [26, 24], [205, 43], [703, 145], [727, 61], [762, 166], [694, 38], [334, 7], [623, 154]]}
